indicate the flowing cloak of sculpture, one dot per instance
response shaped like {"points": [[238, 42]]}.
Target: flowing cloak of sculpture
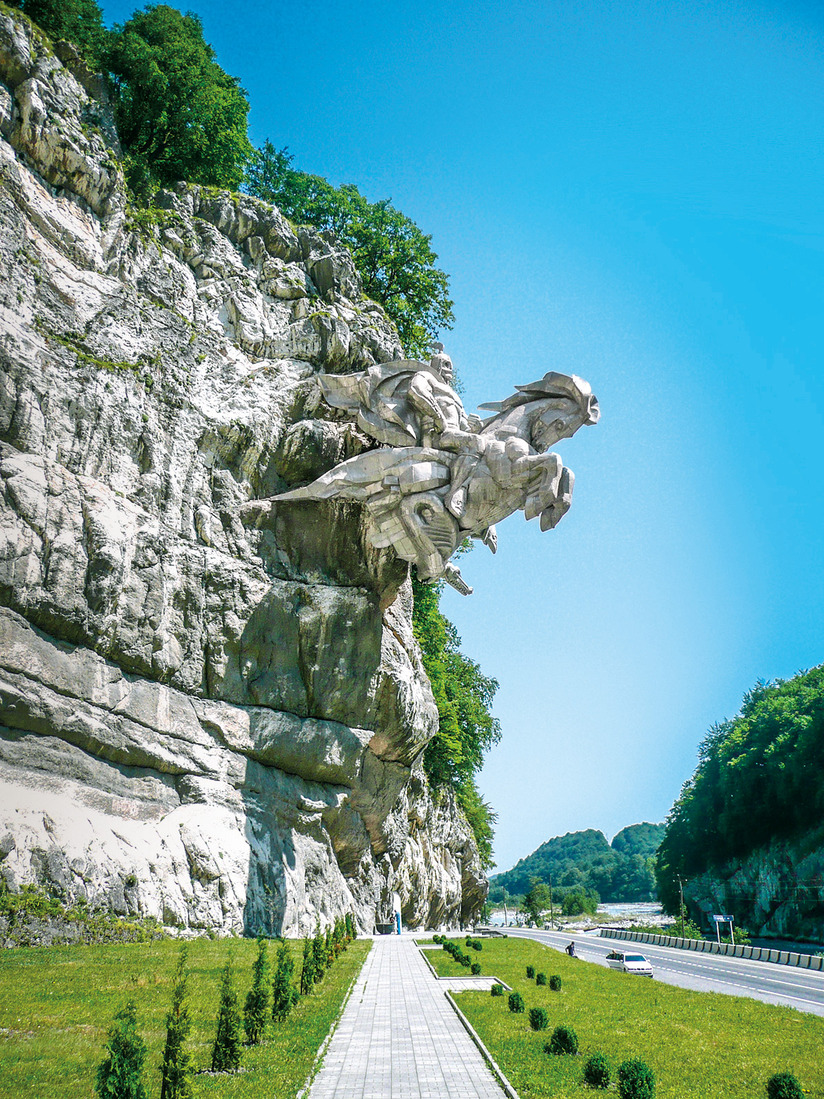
{"points": [[441, 476]]}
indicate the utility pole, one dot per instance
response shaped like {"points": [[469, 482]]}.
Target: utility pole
{"points": [[506, 914], [551, 912], [681, 909]]}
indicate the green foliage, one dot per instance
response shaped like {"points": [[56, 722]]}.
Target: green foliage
{"points": [[540, 978], [497, 989], [583, 862], [516, 1003], [636, 1080], [555, 982], [256, 1007], [564, 1040], [179, 115], [307, 971], [393, 257], [530, 972], [227, 1048], [318, 953], [538, 1018], [25, 909], [475, 969], [78, 21], [580, 901], [596, 1071], [784, 1086], [284, 993], [537, 901], [758, 779], [176, 1069], [466, 729], [120, 1075]]}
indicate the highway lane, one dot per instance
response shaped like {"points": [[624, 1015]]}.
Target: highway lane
{"points": [[774, 984]]}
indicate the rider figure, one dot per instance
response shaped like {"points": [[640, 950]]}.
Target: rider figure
{"points": [[571, 950]]}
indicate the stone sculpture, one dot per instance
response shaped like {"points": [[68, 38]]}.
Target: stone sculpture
{"points": [[442, 476]]}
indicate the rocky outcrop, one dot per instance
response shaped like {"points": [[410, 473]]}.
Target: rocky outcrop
{"points": [[776, 892], [210, 713]]}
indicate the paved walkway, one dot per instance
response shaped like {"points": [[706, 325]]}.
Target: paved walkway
{"points": [[399, 1038]]}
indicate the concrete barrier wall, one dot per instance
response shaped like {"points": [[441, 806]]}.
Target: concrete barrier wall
{"points": [[755, 953]]}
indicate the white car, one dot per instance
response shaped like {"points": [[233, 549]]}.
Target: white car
{"points": [[629, 963]]}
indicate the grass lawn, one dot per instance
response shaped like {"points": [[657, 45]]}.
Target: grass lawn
{"points": [[699, 1045], [57, 1004]]}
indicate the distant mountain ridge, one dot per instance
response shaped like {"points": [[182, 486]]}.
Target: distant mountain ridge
{"points": [[617, 872]]}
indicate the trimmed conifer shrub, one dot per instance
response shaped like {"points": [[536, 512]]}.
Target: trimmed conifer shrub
{"points": [[530, 972], [555, 983], [284, 993], [540, 978], [477, 944], [475, 969], [256, 1007], [497, 989], [120, 1075], [307, 971], [636, 1080], [516, 1003], [596, 1071], [564, 1040], [319, 953], [538, 1018], [784, 1086], [227, 1048], [176, 1068]]}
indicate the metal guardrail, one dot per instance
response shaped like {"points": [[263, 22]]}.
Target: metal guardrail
{"points": [[755, 953]]}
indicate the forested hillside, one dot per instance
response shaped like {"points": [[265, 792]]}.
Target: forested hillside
{"points": [[759, 782], [585, 861]]}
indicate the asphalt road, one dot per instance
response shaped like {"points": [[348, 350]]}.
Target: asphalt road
{"points": [[774, 984]]}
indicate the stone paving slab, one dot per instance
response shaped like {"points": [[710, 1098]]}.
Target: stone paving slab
{"points": [[399, 1038]]}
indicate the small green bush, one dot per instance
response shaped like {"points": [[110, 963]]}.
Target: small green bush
{"points": [[555, 982], [530, 972], [516, 1003], [540, 978], [121, 1072], [635, 1080], [784, 1086], [497, 990], [564, 1040], [538, 1018], [476, 969], [596, 1071], [477, 944]]}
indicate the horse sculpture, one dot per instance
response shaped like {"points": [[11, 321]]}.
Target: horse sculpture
{"points": [[442, 476]]}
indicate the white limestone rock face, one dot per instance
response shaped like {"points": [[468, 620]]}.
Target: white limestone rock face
{"points": [[209, 713]]}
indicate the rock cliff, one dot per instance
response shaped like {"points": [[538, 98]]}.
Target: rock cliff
{"points": [[208, 713], [776, 892]]}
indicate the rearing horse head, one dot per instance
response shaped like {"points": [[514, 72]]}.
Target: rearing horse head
{"points": [[544, 411]]}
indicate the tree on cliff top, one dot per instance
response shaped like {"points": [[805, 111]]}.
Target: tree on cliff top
{"points": [[393, 257], [179, 115], [78, 21]]}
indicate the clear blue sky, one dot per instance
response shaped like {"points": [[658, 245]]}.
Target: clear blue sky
{"points": [[630, 191]]}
